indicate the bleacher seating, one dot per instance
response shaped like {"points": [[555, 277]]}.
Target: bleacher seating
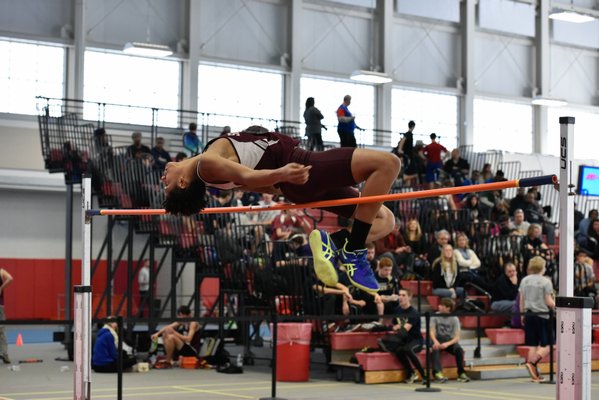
{"points": [[505, 335]]}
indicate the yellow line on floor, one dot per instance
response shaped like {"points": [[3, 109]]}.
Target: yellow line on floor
{"points": [[191, 390], [483, 394]]}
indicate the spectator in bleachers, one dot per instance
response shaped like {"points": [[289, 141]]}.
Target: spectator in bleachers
{"points": [[486, 174], [584, 277], [389, 286], [137, 150], [468, 261], [582, 236], [446, 278], [518, 223], [445, 335], [536, 296], [593, 239], [191, 141], [533, 213], [532, 244], [371, 255], [406, 341], [102, 146], [394, 247], [160, 154], [491, 197], [518, 201], [457, 167], [442, 238], [285, 225], [180, 156], [414, 238], [505, 289], [226, 130], [433, 154]]}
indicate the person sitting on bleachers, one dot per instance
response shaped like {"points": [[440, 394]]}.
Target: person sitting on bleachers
{"points": [[388, 286], [160, 154], [469, 264], [137, 149], [414, 238], [518, 223], [584, 277], [505, 289], [406, 341], [532, 245], [593, 239], [394, 247], [457, 167], [445, 276], [442, 238], [535, 214], [583, 228], [445, 335]]}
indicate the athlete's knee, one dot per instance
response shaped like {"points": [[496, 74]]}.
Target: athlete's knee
{"points": [[390, 162], [387, 219]]}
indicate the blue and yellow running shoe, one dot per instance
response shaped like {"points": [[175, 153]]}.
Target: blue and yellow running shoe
{"points": [[358, 269], [324, 255]]}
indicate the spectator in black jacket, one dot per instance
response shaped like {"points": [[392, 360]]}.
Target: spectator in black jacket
{"points": [[457, 167], [506, 289]]}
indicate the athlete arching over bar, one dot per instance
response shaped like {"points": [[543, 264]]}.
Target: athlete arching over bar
{"points": [[262, 161]]}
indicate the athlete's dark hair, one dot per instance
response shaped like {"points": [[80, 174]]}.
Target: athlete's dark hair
{"points": [[187, 201]]}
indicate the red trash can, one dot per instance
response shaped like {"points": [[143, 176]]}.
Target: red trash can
{"points": [[293, 351]]}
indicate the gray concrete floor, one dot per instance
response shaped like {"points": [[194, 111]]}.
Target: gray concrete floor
{"points": [[46, 381]]}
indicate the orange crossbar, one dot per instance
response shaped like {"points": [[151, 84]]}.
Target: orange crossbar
{"points": [[482, 187]]}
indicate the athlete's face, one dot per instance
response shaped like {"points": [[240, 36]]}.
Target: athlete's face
{"points": [[173, 176]]}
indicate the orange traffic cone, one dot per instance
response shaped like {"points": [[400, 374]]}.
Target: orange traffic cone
{"points": [[19, 340]]}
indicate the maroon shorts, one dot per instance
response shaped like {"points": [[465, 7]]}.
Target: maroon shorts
{"points": [[330, 179]]}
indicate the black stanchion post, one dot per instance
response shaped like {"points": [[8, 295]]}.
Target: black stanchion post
{"points": [[551, 360], [274, 341], [418, 292], [119, 322], [477, 350], [427, 358]]}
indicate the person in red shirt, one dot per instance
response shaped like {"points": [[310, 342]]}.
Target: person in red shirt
{"points": [[432, 154]]}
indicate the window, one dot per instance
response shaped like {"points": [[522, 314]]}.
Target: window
{"points": [[240, 97], [137, 83], [432, 112], [502, 125], [29, 70], [328, 96], [585, 127]]}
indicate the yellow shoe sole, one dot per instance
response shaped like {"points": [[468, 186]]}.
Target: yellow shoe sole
{"points": [[325, 270]]}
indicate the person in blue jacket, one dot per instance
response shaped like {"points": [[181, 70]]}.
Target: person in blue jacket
{"points": [[105, 354]]}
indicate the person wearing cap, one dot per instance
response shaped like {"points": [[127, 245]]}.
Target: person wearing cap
{"points": [[137, 149], [434, 161]]}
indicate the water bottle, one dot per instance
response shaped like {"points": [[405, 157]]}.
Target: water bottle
{"points": [[239, 360]]}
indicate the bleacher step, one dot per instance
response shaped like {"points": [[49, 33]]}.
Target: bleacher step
{"points": [[498, 372], [492, 350], [509, 360]]}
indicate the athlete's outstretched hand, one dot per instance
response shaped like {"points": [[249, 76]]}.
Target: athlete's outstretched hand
{"points": [[295, 173]]}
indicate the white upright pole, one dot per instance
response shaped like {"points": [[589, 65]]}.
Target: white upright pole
{"points": [[573, 313], [82, 345]]}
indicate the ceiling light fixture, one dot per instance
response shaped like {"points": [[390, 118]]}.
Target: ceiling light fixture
{"points": [[370, 77], [571, 16], [548, 101], [147, 49]]}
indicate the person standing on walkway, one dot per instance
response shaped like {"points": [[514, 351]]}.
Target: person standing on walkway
{"points": [[5, 280], [347, 124]]}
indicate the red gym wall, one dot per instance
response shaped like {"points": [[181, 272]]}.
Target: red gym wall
{"points": [[37, 291]]}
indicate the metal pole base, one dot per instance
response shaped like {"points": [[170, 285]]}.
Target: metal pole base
{"points": [[427, 389], [272, 398], [549, 382]]}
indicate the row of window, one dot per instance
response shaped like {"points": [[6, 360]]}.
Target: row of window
{"points": [[30, 70]]}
